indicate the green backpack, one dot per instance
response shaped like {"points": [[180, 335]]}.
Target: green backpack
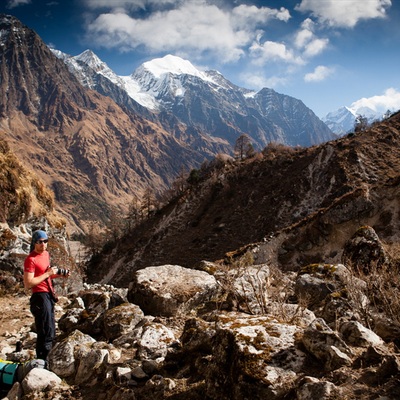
{"points": [[8, 374]]}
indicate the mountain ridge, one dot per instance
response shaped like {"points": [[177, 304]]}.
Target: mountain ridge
{"points": [[212, 104]]}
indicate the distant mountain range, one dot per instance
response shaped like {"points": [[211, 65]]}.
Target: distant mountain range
{"points": [[207, 100], [171, 87], [343, 120]]}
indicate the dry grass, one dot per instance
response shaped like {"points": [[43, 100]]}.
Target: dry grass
{"points": [[22, 194], [381, 292]]}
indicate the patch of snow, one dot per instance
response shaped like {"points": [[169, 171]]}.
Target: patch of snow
{"points": [[173, 65], [133, 89]]}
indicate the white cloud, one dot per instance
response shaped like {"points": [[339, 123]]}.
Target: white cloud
{"points": [[315, 47], [389, 100], [319, 74], [249, 16], [268, 51], [258, 81], [192, 27], [345, 13], [307, 41], [17, 3]]}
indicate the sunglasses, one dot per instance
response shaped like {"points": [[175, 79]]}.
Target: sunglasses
{"points": [[42, 241]]}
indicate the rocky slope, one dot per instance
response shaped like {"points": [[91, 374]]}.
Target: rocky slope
{"points": [[301, 204]]}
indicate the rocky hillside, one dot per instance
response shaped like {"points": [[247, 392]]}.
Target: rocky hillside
{"points": [[300, 204], [22, 194], [26, 205], [93, 154]]}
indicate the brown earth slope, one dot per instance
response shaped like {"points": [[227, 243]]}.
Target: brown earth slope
{"points": [[301, 203]]}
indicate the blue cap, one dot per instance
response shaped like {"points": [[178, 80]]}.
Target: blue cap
{"points": [[37, 235]]}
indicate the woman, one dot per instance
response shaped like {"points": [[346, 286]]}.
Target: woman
{"points": [[37, 276]]}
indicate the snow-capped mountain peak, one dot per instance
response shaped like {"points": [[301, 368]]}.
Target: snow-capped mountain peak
{"points": [[90, 59], [173, 65], [343, 120], [340, 114]]}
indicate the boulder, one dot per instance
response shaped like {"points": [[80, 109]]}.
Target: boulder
{"points": [[154, 340], [315, 282], [121, 319], [62, 357], [386, 328], [71, 320], [246, 288], [89, 367], [312, 290], [253, 357], [313, 388], [326, 345], [38, 380], [358, 335], [96, 301], [164, 290]]}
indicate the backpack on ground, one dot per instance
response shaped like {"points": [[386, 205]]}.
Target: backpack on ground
{"points": [[8, 375], [11, 372]]}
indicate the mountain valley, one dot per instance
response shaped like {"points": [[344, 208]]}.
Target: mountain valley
{"points": [[300, 205], [268, 274]]}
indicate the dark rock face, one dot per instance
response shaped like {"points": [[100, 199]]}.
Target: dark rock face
{"points": [[32, 79], [364, 250]]}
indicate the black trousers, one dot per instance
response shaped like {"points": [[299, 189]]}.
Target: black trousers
{"points": [[42, 308]]}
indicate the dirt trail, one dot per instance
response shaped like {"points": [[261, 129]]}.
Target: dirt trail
{"points": [[15, 321]]}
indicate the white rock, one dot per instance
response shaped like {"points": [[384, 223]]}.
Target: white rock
{"points": [[38, 379], [154, 341]]}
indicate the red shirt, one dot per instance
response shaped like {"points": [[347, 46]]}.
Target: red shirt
{"points": [[38, 264]]}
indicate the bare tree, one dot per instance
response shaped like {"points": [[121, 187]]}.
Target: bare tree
{"points": [[94, 240], [180, 182], [243, 147], [115, 226], [135, 214], [361, 123], [149, 201]]}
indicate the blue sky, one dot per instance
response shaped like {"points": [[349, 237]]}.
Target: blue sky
{"points": [[327, 53]]}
